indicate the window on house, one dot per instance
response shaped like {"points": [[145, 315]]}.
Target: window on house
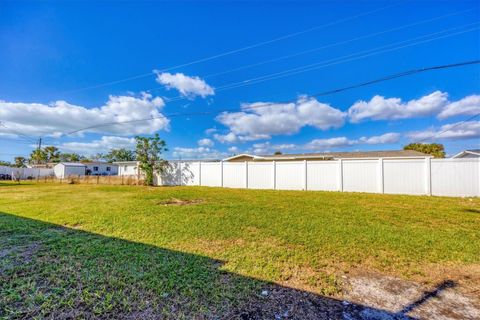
{"points": [[125, 168], [108, 169], [95, 168]]}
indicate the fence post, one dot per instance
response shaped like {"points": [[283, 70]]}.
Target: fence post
{"points": [[246, 174], [428, 176], [381, 182], [200, 173], [340, 175], [221, 173], [305, 173], [180, 165], [274, 174]]}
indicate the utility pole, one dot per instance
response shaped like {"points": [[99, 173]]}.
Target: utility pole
{"points": [[39, 149]]}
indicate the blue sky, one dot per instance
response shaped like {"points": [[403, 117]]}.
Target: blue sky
{"points": [[54, 55]]}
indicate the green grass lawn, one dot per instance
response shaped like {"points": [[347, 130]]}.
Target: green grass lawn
{"points": [[86, 250]]}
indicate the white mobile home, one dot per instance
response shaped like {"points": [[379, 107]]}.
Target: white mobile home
{"points": [[101, 169], [128, 168], [66, 169]]}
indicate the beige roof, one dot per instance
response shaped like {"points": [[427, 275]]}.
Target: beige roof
{"points": [[338, 155]]}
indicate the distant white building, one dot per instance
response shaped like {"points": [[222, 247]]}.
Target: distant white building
{"points": [[128, 168], [101, 169], [473, 153], [65, 169]]}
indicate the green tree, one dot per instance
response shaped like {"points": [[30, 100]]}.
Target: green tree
{"points": [[20, 162], [52, 154], [96, 157], [121, 154], [435, 149], [5, 163], [70, 157], [149, 152], [38, 156]]}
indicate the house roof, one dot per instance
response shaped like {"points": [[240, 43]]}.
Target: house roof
{"points": [[338, 155], [96, 162], [471, 151], [72, 164], [125, 162]]}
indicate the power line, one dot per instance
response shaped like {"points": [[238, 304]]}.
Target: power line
{"points": [[27, 138], [226, 53], [448, 129], [386, 78], [336, 61], [398, 75], [343, 59], [371, 35], [16, 140], [331, 45], [354, 56]]}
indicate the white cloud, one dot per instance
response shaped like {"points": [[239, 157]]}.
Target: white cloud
{"points": [[198, 153], [233, 149], [322, 144], [205, 142], [233, 138], [60, 116], [262, 120], [380, 108], [391, 137], [469, 105], [105, 144], [453, 131], [210, 131], [187, 86], [267, 147]]}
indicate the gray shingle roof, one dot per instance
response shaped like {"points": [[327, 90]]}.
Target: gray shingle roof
{"points": [[337, 155]]}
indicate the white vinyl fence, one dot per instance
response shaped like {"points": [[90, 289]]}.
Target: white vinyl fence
{"points": [[26, 173], [440, 177]]}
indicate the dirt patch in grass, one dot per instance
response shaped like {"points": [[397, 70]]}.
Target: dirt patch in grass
{"points": [[275, 302], [407, 299], [179, 202], [14, 256]]}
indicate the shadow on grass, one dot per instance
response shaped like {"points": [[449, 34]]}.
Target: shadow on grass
{"points": [[14, 184], [472, 210], [47, 270]]}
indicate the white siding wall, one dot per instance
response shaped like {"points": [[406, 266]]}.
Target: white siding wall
{"points": [[73, 171], [59, 171], [102, 169], [442, 177], [127, 170]]}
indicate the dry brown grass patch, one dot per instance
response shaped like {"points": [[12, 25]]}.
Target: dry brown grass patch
{"points": [[179, 202]]}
